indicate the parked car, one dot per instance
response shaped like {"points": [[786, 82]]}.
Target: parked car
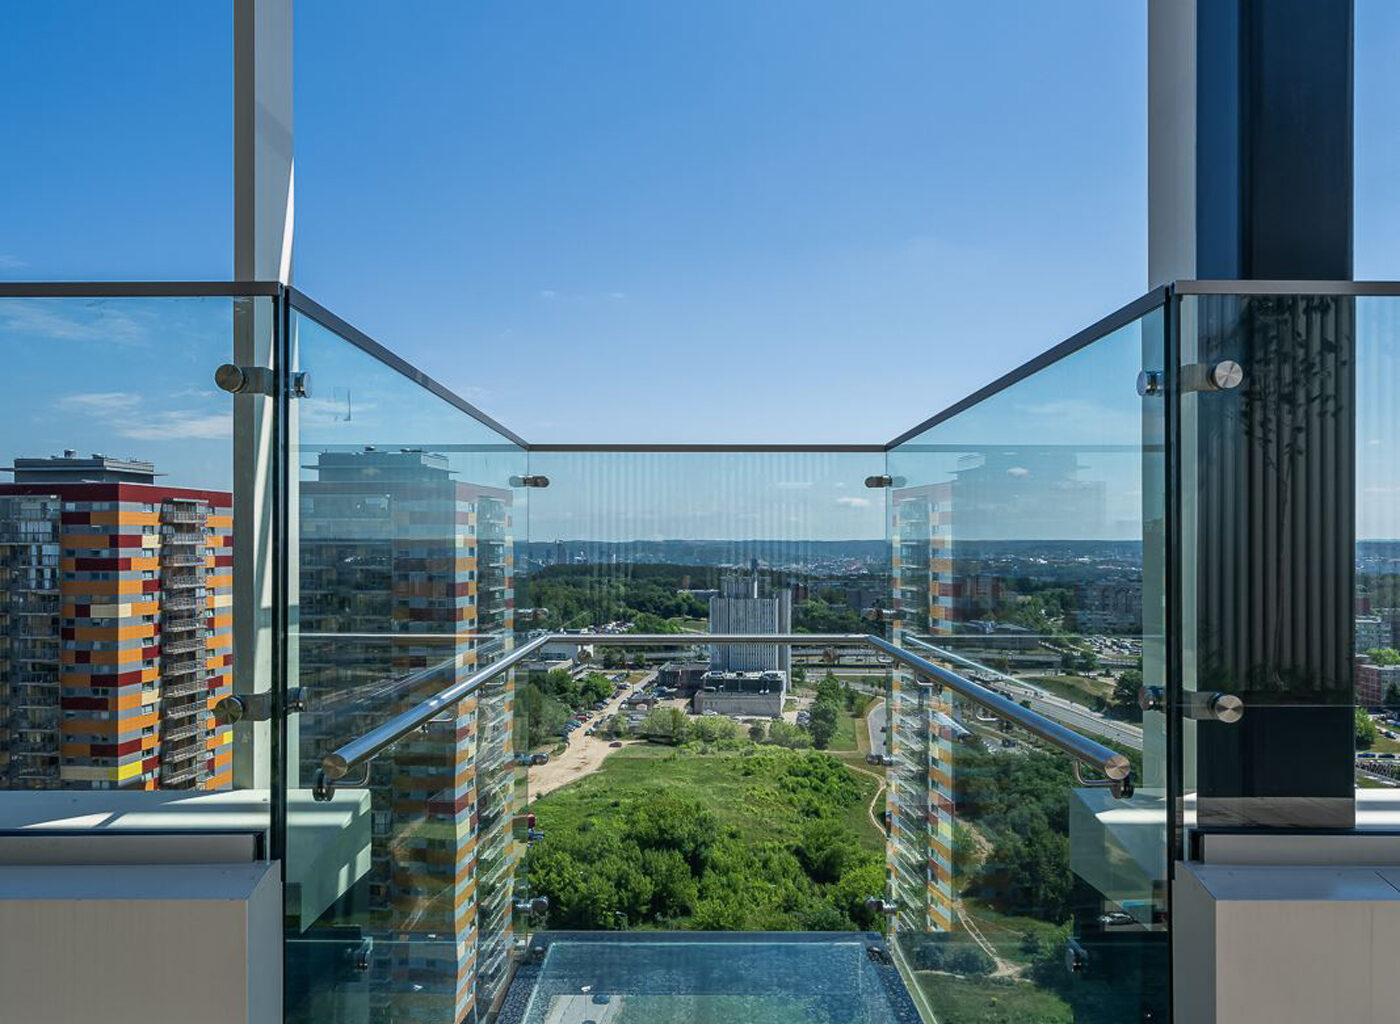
{"points": [[615, 743], [539, 759]]}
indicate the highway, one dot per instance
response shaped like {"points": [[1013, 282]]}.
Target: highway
{"points": [[1066, 712]]}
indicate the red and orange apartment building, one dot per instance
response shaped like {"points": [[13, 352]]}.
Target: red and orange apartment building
{"points": [[116, 627]]}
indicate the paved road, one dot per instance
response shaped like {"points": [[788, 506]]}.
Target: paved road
{"points": [[1067, 712], [875, 721]]}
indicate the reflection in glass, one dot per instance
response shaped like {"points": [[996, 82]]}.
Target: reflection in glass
{"points": [[405, 525], [117, 535], [1027, 545]]}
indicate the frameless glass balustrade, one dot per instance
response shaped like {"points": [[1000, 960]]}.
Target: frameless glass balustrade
{"points": [[128, 505], [1027, 542], [403, 516], [477, 696]]}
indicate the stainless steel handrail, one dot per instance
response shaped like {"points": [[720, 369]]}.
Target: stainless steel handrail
{"points": [[1115, 767]]}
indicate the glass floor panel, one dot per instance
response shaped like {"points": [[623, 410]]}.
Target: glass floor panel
{"points": [[707, 978]]}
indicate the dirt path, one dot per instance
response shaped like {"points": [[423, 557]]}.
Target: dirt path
{"points": [[585, 754], [878, 820], [1004, 968]]}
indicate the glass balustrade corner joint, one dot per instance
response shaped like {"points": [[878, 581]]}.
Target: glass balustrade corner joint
{"points": [[1226, 375], [255, 707], [260, 380]]}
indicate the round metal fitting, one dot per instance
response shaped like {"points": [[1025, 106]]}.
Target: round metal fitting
{"points": [[1149, 383], [230, 710], [1227, 374], [231, 378], [1227, 707]]}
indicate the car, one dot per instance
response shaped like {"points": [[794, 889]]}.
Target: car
{"points": [[539, 759], [601, 998], [615, 743]]}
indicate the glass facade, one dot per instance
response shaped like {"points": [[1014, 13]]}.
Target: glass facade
{"points": [[473, 694]]}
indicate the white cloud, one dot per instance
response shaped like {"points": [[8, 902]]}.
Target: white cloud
{"points": [[63, 320], [9, 262], [180, 425], [125, 415], [850, 501], [94, 402]]}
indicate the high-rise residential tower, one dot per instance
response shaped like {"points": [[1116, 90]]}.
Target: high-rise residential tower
{"points": [[115, 627], [406, 578]]}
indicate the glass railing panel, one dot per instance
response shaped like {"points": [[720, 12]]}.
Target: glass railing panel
{"points": [[698, 794], [127, 532], [404, 515], [1027, 538], [1289, 557]]}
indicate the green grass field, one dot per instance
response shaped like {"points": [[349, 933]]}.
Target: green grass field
{"points": [[845, 738], [750, 805], [959, 1000], [1006, 932], [1080, 689]]}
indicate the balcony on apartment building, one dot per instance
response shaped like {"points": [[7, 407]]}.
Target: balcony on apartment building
{"points": [[1142, 543]]}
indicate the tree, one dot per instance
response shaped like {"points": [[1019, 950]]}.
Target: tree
{"points": [[861, 880], [1392, 698], [595, 687], [715, 729], [1365, 730], [822, 725], [539, 717], [785, 734], [757, 732], [826, 849], [1124, 702], [670, 822], [668, 725], [826, 712], [1384, 656]]}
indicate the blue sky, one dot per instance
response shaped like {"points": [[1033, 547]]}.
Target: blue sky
{"points": [[793, 221], [799, 220]]}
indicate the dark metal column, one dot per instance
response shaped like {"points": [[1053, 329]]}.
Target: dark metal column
{"points": [[1251, 178]]}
